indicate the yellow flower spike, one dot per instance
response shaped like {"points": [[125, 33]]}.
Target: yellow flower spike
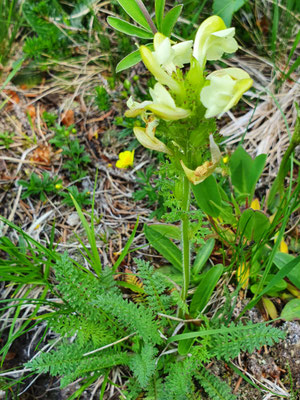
{"points": [[283, 247], [255, 205], [242, 275], [205, 170], [223, 89], [213, 39], [154, 67], [125, 159], [146, 136], [163, 105]]}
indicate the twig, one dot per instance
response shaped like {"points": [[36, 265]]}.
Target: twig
{"points": [[110, 344]]}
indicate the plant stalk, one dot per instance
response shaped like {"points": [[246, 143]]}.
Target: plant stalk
{"points": [[147, 15], [185, 242]]}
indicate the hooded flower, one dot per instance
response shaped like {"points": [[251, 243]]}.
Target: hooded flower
{"points": [[146, 136], [213, 39], [163, 105], [203, 171], [170, 57], [224, 89]]}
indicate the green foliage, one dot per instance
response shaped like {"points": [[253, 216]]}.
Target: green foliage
{"points": [[150, 191], [226, 9], [214, 387], [6, 138], [62, 133], [77, 159], [82, 198], [245, 172], [39, 186], [11, 20], [102, 98], [231, 341], [143, 364]]}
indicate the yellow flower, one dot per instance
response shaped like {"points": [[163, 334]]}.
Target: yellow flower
{"points": [[205, 170], [255, 205], [284, 247], [223, 90], [163, 105], [213, 40], [125, 159], [146, 136], [58, 186], [225, 159]]}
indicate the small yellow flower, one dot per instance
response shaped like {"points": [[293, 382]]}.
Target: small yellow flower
{"points": [[225, 159], [255, 205], [58, 186], [125, 159], [37, 227], [109, 165], [284, 247]]}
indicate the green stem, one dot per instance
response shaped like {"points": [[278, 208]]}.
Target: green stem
{"points": [[185, 242]]}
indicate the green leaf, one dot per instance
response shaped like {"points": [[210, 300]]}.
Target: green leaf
{"points": [[159, 13], [129, 29], [206, 191], [126, 248], [170, 231], [205, 289], [203, 255], [284, 271], [245, 171], [280, 260], [291, 310], [226, 8], [131, 59], [170, 20], [164, 246], [253, 224], [134, 11]]}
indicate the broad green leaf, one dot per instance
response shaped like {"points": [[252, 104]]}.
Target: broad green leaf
{"points": [[205, 289], [159, 13], [171, 273], [281, 259], [129, 29], [278, 287], [206, 191], [291, 310], [282, 273], [131, 60], [134, 11], [226, 8], [164, 246], [245, 171], [170, 20], [203, 255], [185, 345], [170, 231], [253, 224]]}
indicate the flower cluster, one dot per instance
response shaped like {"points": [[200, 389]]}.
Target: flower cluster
{"points": [[189, 100]]}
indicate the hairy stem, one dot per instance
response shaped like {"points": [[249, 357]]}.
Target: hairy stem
{"points": [[146, 15], [185, 242]]}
